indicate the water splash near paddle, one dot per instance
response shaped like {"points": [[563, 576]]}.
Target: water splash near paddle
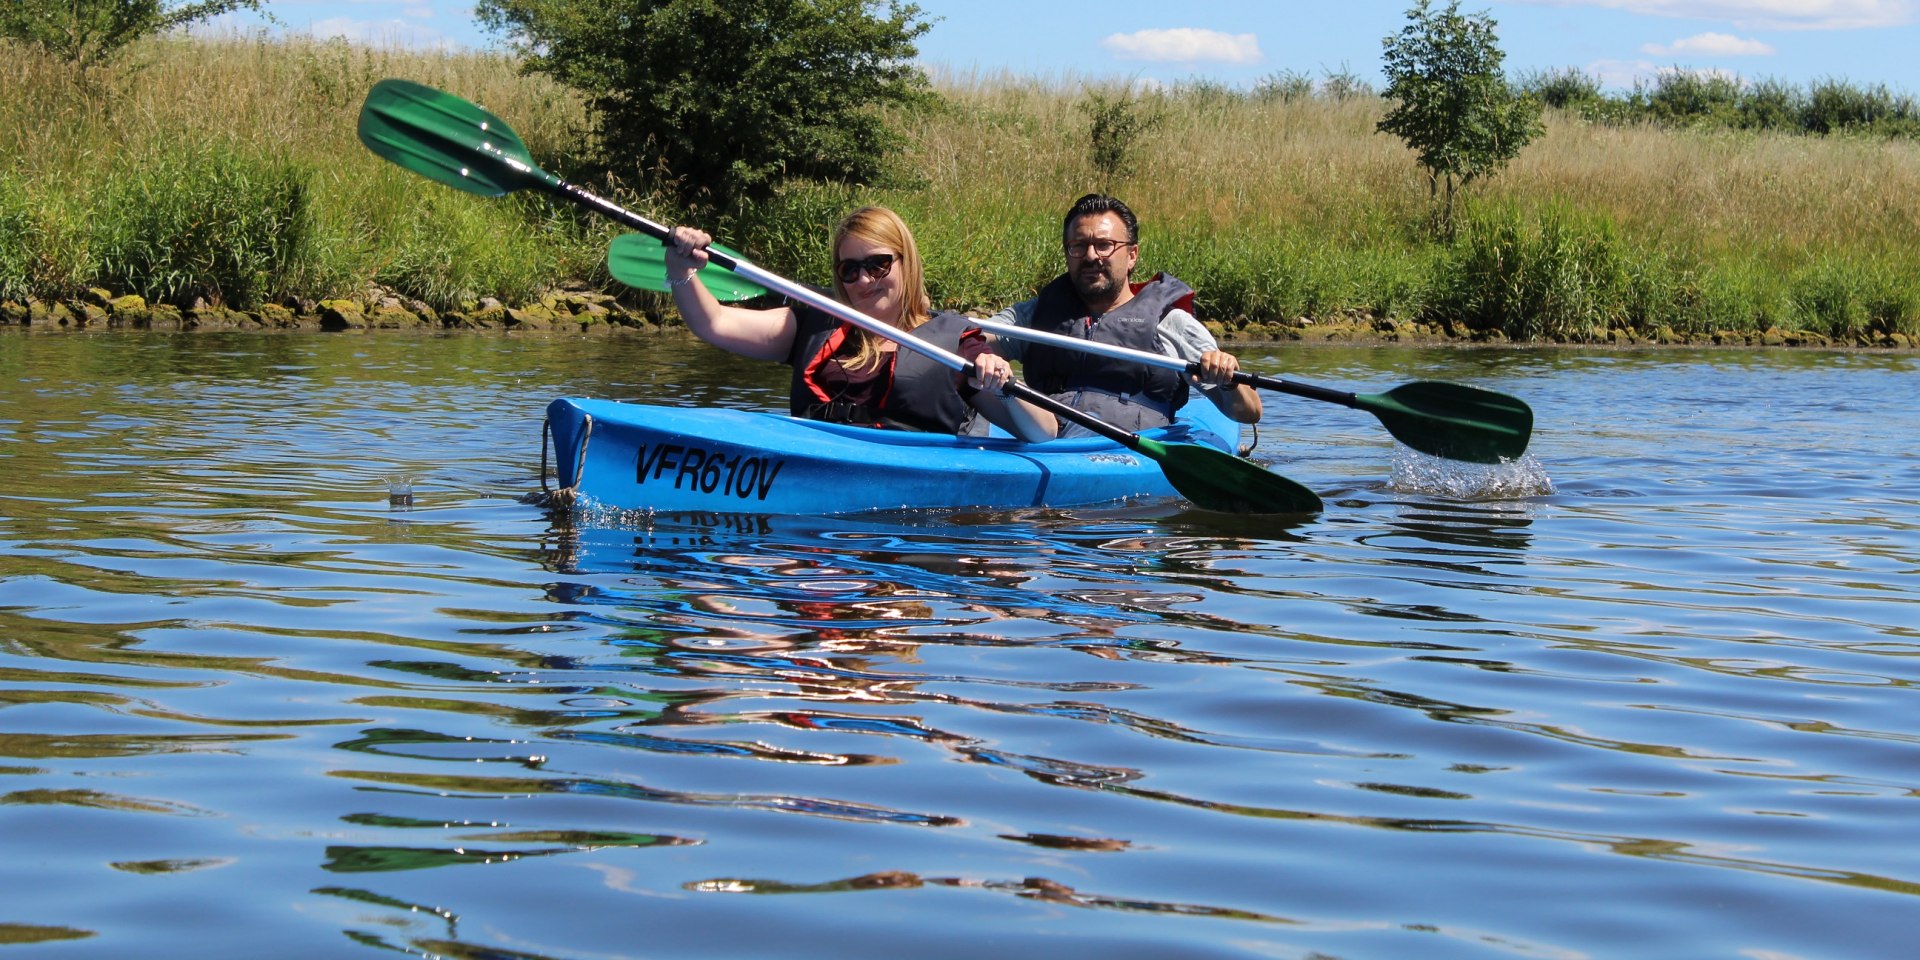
{"points": [[1415, 472]]}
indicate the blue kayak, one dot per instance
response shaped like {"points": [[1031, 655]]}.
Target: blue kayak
{"points": [[635, 456]]}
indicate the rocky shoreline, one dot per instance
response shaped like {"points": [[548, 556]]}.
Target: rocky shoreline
{"points": [[579, 309]]}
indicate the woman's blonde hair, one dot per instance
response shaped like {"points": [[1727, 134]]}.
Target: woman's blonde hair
{"points": [[884, 228]]}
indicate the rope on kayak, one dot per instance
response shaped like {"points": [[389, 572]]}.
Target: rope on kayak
{"points": [[563, 495]]}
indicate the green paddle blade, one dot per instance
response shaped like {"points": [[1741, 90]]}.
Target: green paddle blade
{"points": [[1453, 421], [640, 261], [446, 139], [1216, 480]]}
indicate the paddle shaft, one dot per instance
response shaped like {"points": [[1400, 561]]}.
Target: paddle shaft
{"points": [[1117, 352]]}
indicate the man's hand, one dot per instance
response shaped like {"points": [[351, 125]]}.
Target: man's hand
{"points": [[1217, 368]]}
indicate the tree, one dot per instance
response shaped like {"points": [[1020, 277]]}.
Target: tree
{"points": [[1455, 109], [88, 33], [716, 102]]}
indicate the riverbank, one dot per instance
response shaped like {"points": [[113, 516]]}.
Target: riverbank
{"points": [[581, 310]]}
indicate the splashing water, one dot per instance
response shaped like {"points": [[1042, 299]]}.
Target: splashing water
{"points": [[1415, 472]]}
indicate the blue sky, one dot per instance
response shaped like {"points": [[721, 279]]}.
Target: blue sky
{"points": [[1238, 42]]}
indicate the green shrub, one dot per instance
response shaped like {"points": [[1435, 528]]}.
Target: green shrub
{"points": [[183, 221], [1854, 300], [1561, 275], [16, 240], [1564, 89]]}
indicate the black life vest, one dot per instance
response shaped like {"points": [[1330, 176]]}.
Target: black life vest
{"points": [[1131, 395], [921, 395]]}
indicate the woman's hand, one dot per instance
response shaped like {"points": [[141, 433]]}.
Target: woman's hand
{"points": [[686, 254], [991, 373]]}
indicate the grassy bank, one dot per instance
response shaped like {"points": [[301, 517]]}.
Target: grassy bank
{"points": [[229, 173]]}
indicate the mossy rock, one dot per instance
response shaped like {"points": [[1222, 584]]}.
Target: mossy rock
{"points": [[534, 317], [129, 311], [277, 316], [342, 315], [48, 313]]}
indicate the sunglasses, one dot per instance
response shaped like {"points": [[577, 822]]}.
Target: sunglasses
{"points": [[875, 267]]}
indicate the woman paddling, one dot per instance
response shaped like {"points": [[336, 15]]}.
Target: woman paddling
{"points": [[842, 373]]}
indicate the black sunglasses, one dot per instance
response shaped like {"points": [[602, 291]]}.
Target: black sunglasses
{"points": [[875, 267]]}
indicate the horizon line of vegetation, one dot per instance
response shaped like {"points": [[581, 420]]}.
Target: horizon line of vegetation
{"points": [[228, 171]]}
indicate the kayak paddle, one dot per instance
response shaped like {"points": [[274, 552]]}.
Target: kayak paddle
{"points": [[452, 141], [1438, 419]]}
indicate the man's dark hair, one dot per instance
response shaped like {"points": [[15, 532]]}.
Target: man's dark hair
{"points": [[1095, 204]]}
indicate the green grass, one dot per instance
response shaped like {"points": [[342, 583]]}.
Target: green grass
{"points": [[229, 172]]}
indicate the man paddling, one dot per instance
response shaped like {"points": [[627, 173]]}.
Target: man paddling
{"points": [[1096, 300]]}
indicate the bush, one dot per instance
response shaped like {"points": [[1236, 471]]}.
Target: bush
{"points": [[16, 240], [1559, 276], [1564, 89], [187, 221], [1114, 126], [1850, 300]]}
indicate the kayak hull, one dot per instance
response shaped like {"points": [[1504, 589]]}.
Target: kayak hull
{"points": [[634, 456]]}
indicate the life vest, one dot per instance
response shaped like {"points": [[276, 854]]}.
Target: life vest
{"points": [[920, 395], [1133, 396]]}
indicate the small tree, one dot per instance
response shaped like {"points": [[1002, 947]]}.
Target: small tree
{"points": [[89, 33], [715, 103], [1455, 107], [1114, 126]]}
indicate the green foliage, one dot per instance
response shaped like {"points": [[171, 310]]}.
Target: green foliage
{"points": [[1833, 107], [89, 33], [1769, 105], [1848, 299], [450, 250], [715, 103], [1685, 98], [1115, 123], [1455, 108], [186, 221], [1560, 276], [1565, 89], [16, 240]]}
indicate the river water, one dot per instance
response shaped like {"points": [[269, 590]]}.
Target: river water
{"points": [[293, 664]]}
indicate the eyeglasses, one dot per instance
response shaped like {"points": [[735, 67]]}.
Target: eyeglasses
{"points": [[1099, 248], [875, 267]]}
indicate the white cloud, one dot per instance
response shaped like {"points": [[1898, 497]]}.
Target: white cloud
{"points": [[1767, 14], [1710, 45], [1186, 44]]}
